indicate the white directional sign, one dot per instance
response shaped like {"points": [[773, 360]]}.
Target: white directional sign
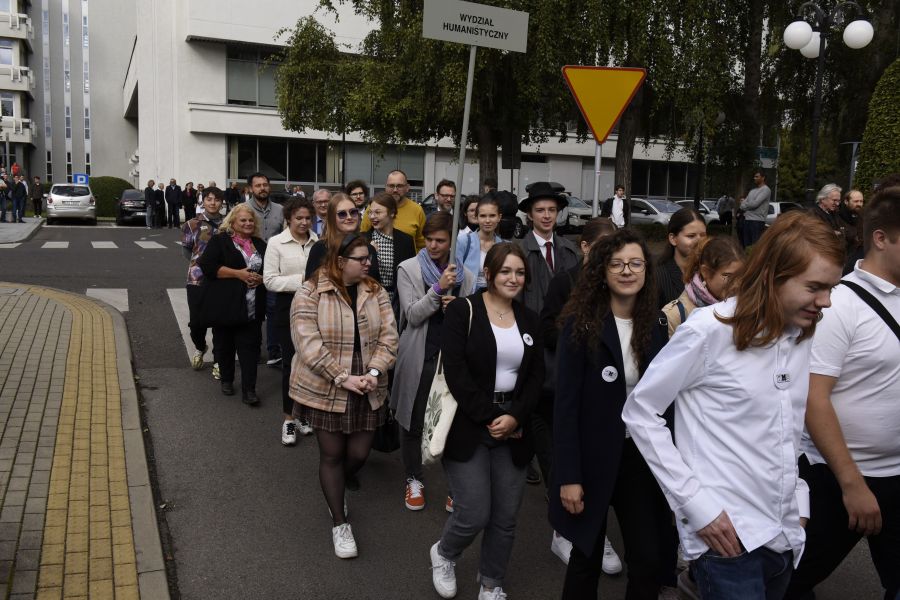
{"points": [[475, 24]]}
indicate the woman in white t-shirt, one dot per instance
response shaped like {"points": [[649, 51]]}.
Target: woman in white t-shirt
{"points": [[611, 331]]}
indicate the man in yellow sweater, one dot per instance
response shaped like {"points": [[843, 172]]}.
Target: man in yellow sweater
{"points": [[410, 217]]}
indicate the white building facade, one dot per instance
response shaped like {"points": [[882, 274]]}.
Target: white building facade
{"points": [[178, 88]]}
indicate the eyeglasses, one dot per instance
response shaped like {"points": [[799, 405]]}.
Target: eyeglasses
{"points": [[343, 214], [396, 186], [357, 194], [363, 260], [635, 265]]}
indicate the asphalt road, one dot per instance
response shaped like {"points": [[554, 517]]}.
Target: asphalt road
{"points": [[242, 516]]}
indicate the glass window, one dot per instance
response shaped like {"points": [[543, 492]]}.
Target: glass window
{"points": [[302, 161], [658, 179], [246, 157], [6, 104], [691, 180], [677, 180], [273, 159], [639, 172], [267, 86], [241, 81], [320, 162], [412, 162], [4, 6], [385, 162], [358, 163], [6, 53]]}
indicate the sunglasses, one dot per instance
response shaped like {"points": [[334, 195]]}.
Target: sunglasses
{"points": [[344, 214]]}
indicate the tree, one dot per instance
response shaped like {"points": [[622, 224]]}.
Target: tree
{"points": [[880, 154]]}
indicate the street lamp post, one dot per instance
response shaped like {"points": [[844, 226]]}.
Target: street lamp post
{"points": [[802, 36]]}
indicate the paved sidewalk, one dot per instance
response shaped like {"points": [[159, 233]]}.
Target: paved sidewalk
{"points": [[76, 518], [16, 233]]}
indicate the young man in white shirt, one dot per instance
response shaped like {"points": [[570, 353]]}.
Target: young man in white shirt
{"points": [[737, 372], [617, 208], [852, 450]]}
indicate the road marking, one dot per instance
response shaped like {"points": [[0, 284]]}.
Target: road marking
{"points": [[62, 245], [178, 300], [104, 244], [149, 245], [9, 246], [115, 297]]}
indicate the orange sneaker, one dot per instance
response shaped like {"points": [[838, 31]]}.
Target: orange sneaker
{"points": [[415, 494], [449, 505]]}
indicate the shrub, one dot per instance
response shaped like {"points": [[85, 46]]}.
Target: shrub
{"points": [[880, 152], [107, 191]]}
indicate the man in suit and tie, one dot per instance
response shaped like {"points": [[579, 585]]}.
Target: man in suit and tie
{"points": [[173, 203], [320, 202]]}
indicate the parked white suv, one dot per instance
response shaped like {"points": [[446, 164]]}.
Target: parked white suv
{"points": [[71, 201]]}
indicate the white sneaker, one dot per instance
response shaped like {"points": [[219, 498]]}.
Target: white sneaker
{"points": [[288, 433], [303, 426], [344, 544], [443, 574], [611, 563], [197, 360], [561, 547], [215, 371], [495, 594]]}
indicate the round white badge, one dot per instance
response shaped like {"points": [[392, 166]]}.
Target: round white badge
{"points": [[609, 374], [527, 339]]}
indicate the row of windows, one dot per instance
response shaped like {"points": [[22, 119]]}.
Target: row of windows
{"points": [[249, 80]]}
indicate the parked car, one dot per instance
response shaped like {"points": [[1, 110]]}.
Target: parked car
{"points": [[580, 212], [131, 207], [776, 209], [71, 201], [428, 205], [709, 214], [652, 211]]}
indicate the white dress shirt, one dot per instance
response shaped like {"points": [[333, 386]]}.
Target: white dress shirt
{"points": [[617, 212], [854, 345], [738, 422], [285, 262]]}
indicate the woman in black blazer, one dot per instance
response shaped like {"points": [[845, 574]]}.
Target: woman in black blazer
{"points": [[392, 245], [611, 331], [234, 298], [494, 369]]}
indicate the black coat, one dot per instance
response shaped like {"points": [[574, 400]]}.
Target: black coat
{"points": [[588, 431], [173, 195], [470, 361], [159, 198], [557, 295], [606, 209], [149, 196], [224, 300]]}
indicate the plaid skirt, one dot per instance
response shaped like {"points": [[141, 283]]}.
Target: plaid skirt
{"points": [[358, 416]]}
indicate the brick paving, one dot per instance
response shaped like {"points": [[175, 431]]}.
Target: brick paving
{"points": [[65, 517]]}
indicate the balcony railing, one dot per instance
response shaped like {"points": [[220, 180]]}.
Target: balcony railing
{"points": [[19, 23], [16, 130], [16, 78]]}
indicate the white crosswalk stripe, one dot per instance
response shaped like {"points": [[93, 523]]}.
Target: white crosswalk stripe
{"points": [[104, 245], [178, 300], [115, 297], [149, 245], [9, 246], [60, 245]]}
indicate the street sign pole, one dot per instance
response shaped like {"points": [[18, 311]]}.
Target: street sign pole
{"points": [[598, 159], [463, 138]]}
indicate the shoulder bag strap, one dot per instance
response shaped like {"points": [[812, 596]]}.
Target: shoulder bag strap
{"points": [[875, 305], [681, 311]]}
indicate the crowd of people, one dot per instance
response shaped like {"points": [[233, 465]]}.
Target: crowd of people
{"points": [[15, 192], [738, 410]]}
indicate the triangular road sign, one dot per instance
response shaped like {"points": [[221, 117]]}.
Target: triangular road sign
{"points": [[603, 94]]}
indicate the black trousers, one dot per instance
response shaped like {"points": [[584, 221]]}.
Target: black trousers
{"points": [[287, 355], [647, 530], [174, 214], [542, 434], [38, 204], [195, 323], [159, 214], [829, 541], [243, 339], [411, 440]]}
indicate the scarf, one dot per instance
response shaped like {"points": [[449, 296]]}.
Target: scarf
{"points": [[431, 273], [245, 244], [698, 293]]}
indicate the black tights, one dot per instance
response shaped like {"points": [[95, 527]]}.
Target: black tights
{"points": [[340, 454]]}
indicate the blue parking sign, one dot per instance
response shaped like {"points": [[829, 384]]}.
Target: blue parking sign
{"points": [[80, 178]]}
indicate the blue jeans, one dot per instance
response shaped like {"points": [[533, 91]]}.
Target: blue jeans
{"points": [[18, 209], [759, 575], [753, 230], [148, 216]]}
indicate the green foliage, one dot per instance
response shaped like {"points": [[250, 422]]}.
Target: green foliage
{"points": [[107, 191], [793, 164], [880, 153]]}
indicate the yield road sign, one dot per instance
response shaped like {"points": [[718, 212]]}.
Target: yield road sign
{"points": [[603, 94]]}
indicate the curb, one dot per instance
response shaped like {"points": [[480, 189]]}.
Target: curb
{"points": [[151, 567], [27, 235]]}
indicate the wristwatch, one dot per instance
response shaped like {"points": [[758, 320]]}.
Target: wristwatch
{"points": [[375, 373]]}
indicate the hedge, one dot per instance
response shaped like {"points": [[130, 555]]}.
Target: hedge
{"points": [[880, 152], [107, 191]]}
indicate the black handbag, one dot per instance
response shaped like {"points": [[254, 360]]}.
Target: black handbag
{"points": [[387, 435], [223, 303]]}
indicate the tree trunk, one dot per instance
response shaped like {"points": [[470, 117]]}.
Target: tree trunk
{"points": [[749, 118], [628, 128], [486, 141]]}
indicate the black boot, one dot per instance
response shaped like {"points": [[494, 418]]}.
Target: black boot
{"points": [[249, 397], [228, 388]]}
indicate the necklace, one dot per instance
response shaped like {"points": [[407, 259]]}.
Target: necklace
{"points": [[500, 313]]}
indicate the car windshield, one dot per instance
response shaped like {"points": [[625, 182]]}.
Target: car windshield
{"points": [[576, 202], [132, 195], [70, 190], [664, 206]]}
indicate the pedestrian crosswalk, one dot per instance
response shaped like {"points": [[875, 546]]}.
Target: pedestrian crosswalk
{"points": [[59, 245], [104, 244], [95, 244]]}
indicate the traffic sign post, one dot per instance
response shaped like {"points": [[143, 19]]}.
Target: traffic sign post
{"points": [[476, 25], [602, 95]]}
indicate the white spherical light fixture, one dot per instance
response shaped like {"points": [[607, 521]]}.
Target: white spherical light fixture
{"points": [[858, 34], [811, 50], [797, 35]]}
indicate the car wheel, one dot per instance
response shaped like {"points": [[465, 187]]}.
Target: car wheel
{"points": [[49, 221], [120, 220], [520, 230]]}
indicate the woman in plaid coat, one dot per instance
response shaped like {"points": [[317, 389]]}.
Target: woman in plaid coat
{"points": [[344, 331]]}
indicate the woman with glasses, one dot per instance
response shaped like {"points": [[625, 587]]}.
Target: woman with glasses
{"points": [[611, 330], [685, 230], [474, 246], [392, 245], [341, 220], [346, 339], [358, 192], [707, 277]]}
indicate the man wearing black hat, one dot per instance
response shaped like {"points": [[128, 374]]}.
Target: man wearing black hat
{"points": [[546, 252]]}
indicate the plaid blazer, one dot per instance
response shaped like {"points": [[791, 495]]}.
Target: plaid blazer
{"points": [[322, 331]]}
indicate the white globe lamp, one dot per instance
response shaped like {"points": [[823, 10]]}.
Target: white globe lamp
{"points": [[797, 35], [858, 34], [811, 50]]}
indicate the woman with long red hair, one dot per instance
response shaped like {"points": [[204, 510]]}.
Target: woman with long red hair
{"points": [[738, 374]]}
